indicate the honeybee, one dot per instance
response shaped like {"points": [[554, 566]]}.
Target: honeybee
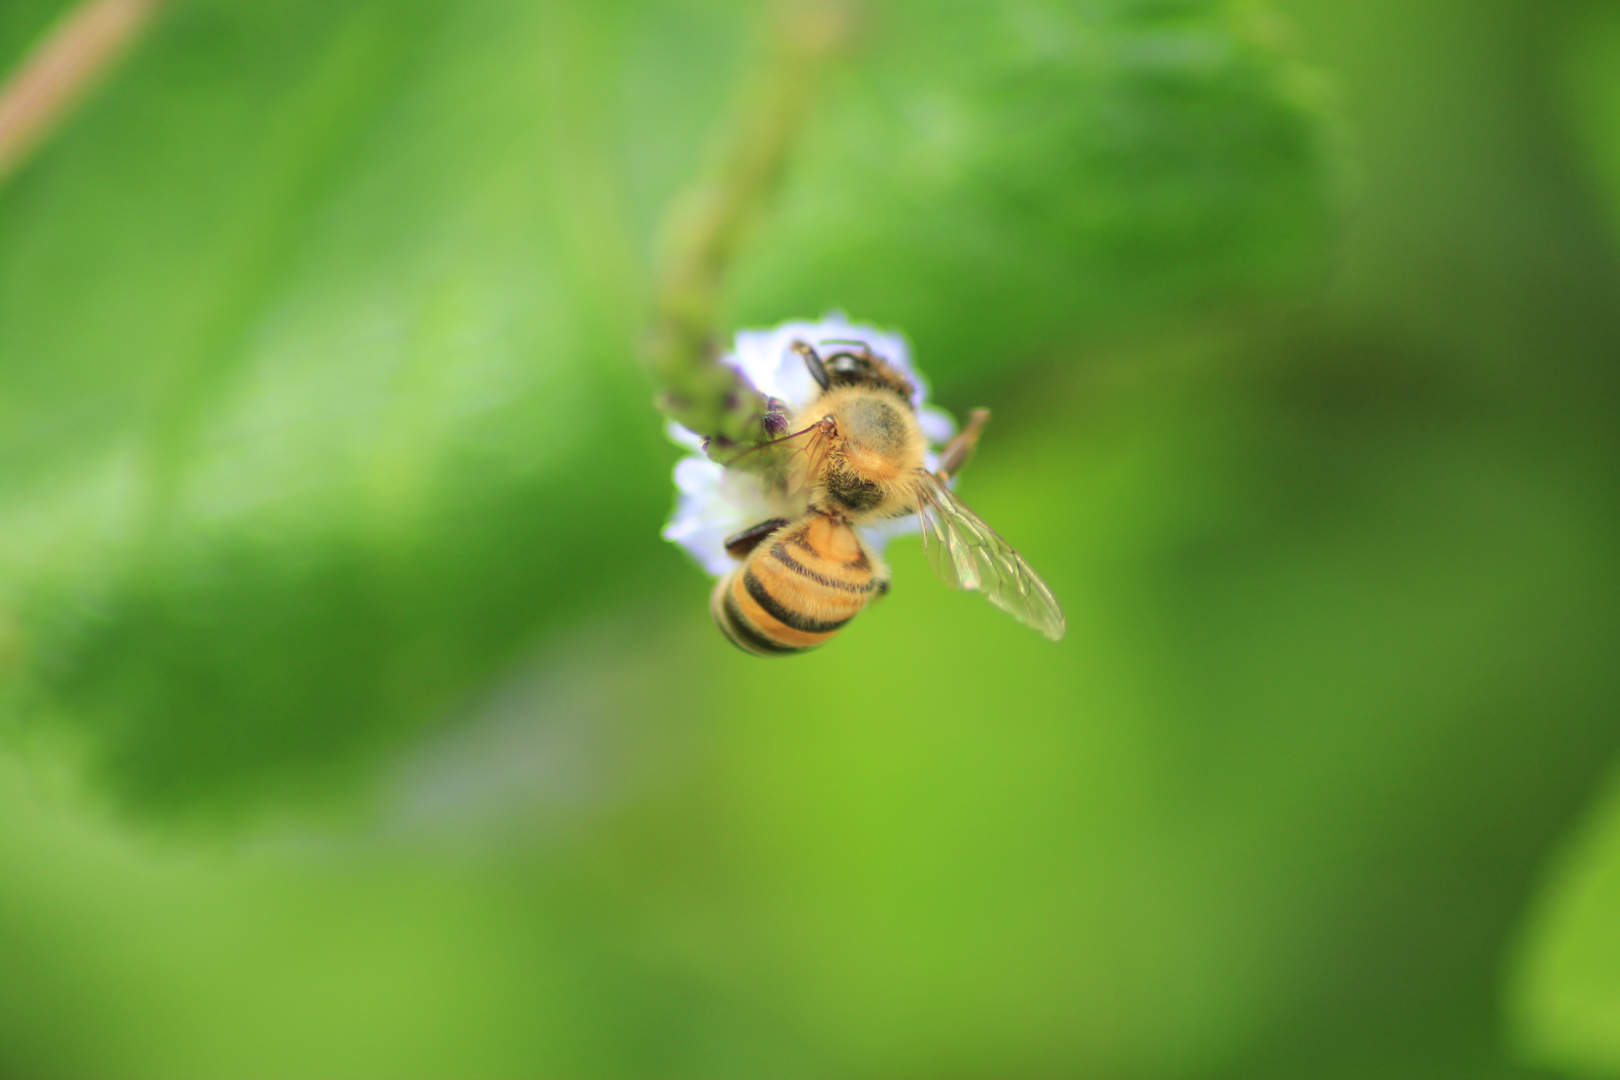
{"points": [[858, 459]]}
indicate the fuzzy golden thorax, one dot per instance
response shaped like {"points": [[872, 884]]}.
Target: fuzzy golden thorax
{"points": [[866, 467]]}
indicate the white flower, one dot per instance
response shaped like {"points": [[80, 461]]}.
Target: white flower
{"points": [[713, 503]]}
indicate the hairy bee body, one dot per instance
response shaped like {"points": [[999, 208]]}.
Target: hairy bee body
{"points": [[868, 470], [859, 458], [798, 588]]}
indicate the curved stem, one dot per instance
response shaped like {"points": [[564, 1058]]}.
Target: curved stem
{"points": [[708, 223]]}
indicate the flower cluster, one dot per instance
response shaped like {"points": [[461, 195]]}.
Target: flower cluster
{"points": [[713, 503]]}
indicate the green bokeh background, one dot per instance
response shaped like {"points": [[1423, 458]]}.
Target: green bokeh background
{"points": [[355, 722]]}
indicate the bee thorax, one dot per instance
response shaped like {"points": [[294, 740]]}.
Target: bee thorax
{"points": [[848, 491], [873, 451], [871, 426]]}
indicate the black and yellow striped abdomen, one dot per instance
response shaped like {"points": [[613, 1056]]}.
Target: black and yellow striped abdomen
{"points": [[798, 588]]}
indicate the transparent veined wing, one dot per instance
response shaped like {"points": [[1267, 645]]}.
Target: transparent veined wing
{"points": [[968, 554]]}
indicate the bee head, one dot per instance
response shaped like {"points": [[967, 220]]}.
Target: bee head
{"points": [[849, 367], [857, 367]]}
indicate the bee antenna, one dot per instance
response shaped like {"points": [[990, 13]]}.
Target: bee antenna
{"points": [[865, 347], [818, 370], [757, 447]]}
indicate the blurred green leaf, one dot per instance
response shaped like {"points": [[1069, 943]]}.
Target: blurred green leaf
{"points": [[1565, 998], [1000, 179], [318, 326], [1564, 993], [1288, 727], [1592, 96], [1343, 599]]}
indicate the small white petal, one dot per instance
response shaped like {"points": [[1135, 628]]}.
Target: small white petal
{"points": [[698, 477], [877, 535], [713, 504], [682, 437], [937, 424], [769, 362], [703, 515]]}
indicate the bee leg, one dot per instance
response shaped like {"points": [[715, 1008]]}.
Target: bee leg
{"points": [[818, 370], [740, 545], [959, 449]]}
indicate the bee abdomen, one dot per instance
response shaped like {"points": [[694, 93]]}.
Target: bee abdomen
{"points": [[757, 622], [797, 590]]}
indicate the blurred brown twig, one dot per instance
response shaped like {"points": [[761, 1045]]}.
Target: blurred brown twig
{"points": [[83, 45]]}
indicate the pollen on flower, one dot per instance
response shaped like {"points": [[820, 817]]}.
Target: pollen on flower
{"points": [[713, 503]]}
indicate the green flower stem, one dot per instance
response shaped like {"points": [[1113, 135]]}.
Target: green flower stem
{"points": [[709, 222]]}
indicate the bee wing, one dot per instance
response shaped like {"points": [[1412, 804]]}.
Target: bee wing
{"points": [[968, 554]]}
